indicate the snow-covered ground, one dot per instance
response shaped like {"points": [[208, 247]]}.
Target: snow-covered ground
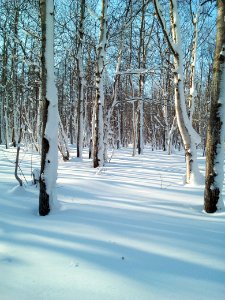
{"points": [[131, 231]]}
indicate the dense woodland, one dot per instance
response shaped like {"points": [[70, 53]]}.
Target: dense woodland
{"points": [[132, 72]]}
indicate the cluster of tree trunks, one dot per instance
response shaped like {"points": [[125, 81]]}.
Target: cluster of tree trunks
{"points": [[120, 80]]}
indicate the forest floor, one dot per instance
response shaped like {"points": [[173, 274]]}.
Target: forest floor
{"points": [[130, 231]]}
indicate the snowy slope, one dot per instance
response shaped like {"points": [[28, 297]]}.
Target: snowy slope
{"points": [[131, 231]]}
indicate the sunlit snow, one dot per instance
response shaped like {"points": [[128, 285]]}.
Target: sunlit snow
{"points": [[129, 231]]}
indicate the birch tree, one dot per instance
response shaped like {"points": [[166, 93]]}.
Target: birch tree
{"points": [[98, 145], [114, 98], [141, 64], [189, 136], [216, 126], [80, 71], [193, 94], [49, 155], [4, 95]]}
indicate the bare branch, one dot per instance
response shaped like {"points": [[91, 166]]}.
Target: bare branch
{"points": [[162, 22]]}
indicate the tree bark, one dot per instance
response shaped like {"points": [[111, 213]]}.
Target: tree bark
{"points": [[98, 145], [80, 108], [216, 127], [18, 153], [63, 145], [4, 107], [184, 124], [189, 136], [193, 94], [141, 64], [49, 155], [14, 80]]}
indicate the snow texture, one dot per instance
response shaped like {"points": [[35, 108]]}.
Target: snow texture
{"points": [[134, 232]]}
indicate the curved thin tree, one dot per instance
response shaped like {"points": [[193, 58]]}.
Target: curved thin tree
{"points": [[189, 136]]}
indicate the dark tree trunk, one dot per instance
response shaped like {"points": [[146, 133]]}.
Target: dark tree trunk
{"points": [[18, 151], [44, 207], [215, 132]]}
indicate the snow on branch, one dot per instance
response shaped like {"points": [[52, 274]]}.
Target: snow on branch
{"points": [[135, 71], [133, 99]]}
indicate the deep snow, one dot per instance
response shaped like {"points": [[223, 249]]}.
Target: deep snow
{"points": [[130, 231]]}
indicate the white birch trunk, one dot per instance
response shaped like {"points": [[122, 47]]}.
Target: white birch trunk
{"points": [[98, 144], [62, 142], [141, 116], [80, 137], [39, 121], [166, 133], [15, 115], [49, 159], [189, 136], [2, 123], [4, 82], [141, 64], [193, 93], [170, 136], [118, 142], [134, 130], [108, 117]]}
